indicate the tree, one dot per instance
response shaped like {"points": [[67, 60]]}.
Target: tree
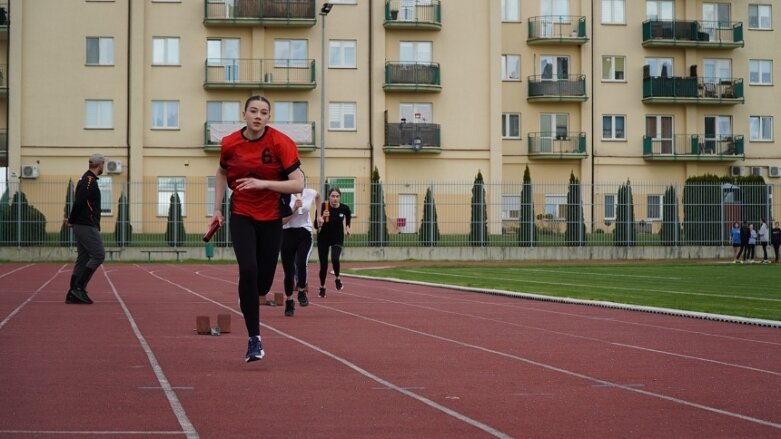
{"points": [[24, 224], [670, 224], [701, 209], [478, 230], [378, 220], [576, 229], [66, 233], [174, 232], [123, 230], [625, 217], [429, 228], [527, 236]]}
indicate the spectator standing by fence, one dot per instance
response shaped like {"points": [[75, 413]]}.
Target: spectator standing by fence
{"points": [[745, 234], [775, 238], [752, 243], [734, 237], [764, 238], [333, 219], [84, 219]]}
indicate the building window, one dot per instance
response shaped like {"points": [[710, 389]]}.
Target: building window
{"points": [[223, 111], [511, 207], [613, 12], [654, 207], [165, 114], [659, 9], [760, 72], [100, 51], [556, 205], [554, 7], [166, 187], [291, 53], [106, 195], [511, 67], [342, 54], [347, 186], [165, 51], [760, 17], [99, 114], [511, 10], [613, 68], [415, 52], [285, 111], [761, 128], [661, 67], [511, 126], [610, 207], [342, 116], [613, 127]]}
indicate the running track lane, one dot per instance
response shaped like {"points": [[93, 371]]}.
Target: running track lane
{"points": [[381, 360]]}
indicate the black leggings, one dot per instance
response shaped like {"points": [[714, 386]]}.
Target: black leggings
{"points": [[256, 244], [296, 247], [322, 254]]}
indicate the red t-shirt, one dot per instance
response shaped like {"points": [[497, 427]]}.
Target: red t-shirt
{"points": [[271, 157]]}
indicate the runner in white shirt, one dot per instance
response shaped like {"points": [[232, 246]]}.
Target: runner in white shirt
{"points": [[296, 247]]}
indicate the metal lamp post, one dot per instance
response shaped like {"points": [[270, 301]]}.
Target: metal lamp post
{"points": [[323, 12]]}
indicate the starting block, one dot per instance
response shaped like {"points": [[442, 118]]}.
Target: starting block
{"points": [[224, 323], [203, 325], [279, 299]]}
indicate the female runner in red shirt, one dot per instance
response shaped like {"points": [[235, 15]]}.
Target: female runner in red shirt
{"points": [[259, 164]]}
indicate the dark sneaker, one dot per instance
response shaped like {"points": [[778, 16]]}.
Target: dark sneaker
{"points": [[254, 350], [77, 295], [322, 292], [302, 299], [290, 307], [338, 284], [70, 298]]}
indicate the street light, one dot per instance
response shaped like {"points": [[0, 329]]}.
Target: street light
{"points": [[323, 12]]}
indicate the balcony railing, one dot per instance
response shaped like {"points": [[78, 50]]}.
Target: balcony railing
{"points": [[557, 29], [404, 137], [3, 147], [413, 14], [683, 33], [693, 147], [688, 90], [557, 88], [289, 13], [550, 145], [259, 73], [403, 76], [303, 133]]}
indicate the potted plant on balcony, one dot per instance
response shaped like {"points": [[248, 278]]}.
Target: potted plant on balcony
{"points": [[394, 14]]}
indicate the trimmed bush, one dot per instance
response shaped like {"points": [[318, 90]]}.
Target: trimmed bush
{"points": [[429, 228], [478, 226]]}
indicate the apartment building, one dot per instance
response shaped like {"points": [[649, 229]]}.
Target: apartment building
{"points": [[422, 90]]}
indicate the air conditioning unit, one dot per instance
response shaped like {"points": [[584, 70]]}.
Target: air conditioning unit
{"points": [[756, 171], [29, 171], [113, 167], [735, 171], [774, 171]]}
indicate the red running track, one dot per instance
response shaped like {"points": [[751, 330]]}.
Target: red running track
{"points": [[380, 359]]}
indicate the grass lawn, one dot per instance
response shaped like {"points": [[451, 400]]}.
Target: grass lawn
{"points": [[751, 290]]}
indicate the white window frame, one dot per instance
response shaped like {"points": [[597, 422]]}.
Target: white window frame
{"points": [[342, 54], [613, 126], [558, 8], [717, 69], [556, 205], [166, 109], [657, 65], [613, 12], [291, 53], [106, 195], [99, 114], [761, 128], [424, 111], [166, 186], [165, 51], [511, 11], [511, 207], [346, 186], [610, 71], [342, 116], [105, 51], [510, 121], [609, 207], [230, 111], [650, 205], [511, 68], [416, 52], [288, 111], [760, 68], [764, 16], [660, 10]]}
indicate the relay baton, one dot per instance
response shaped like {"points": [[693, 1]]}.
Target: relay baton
{"points": [[212, 230]]}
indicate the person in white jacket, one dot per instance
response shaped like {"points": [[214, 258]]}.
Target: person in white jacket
{"points": [[764, 238]]}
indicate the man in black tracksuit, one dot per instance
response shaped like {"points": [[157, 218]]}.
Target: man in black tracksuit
{"points": [[84, 218]]}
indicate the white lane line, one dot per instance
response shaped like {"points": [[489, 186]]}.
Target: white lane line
{"points": [[473, 422], [170, 394], [92, 433], [29, 299], [15, 270], [564, 371]]}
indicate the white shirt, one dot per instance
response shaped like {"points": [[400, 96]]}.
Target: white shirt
{"points": [[302, 219]]}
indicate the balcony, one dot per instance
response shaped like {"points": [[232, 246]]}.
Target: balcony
{"points": [[561, 146], [694, 147], [413, 14], [303, 133], [693, 90], [561, 88], [278, 13], [415, 77], [267, 74], [3, 80], [412, 137], [562, 30], [681, 33]]}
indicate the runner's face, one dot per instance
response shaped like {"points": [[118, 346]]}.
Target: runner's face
{"points": [[334, 199], [257, 116]]}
